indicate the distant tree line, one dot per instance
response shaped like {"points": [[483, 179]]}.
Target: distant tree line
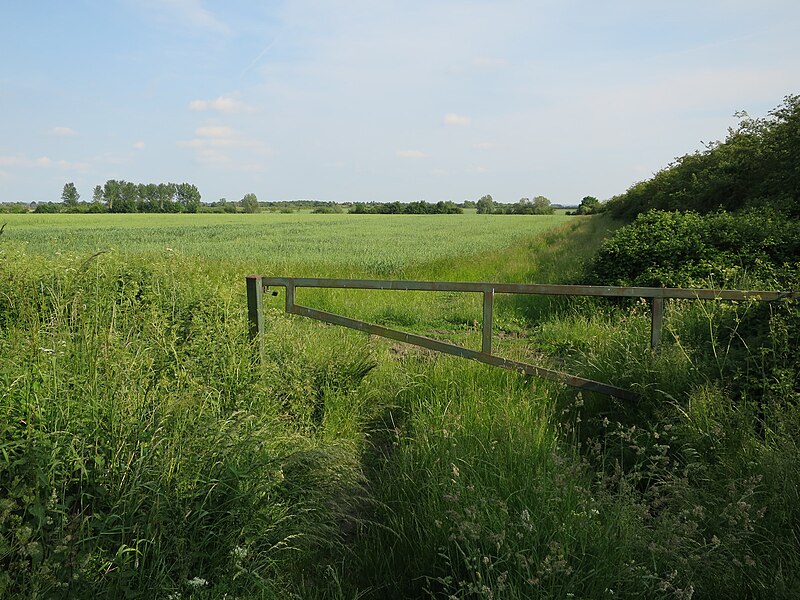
{"points": [[127, 197], [15, 207], [400, 208], [524, 206]]}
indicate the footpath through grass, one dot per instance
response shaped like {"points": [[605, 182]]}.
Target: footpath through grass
{"points": [[146, 451]]}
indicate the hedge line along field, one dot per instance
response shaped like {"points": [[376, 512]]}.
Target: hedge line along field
{"points": [[148, 453]]}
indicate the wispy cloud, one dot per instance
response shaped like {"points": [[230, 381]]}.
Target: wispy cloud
{"points": [[261, 55], [216, 131], [41, 162], [63, 132], [489, 63], [454, 119], [139, 145], [410, 154], [215, 144], [226, 104], [189, 13]]}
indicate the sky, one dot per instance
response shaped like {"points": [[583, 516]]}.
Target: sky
{"points": [[379, 100]]}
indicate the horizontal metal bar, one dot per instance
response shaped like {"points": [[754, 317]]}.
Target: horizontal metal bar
{"points": [[522, 288], [447, 348]]}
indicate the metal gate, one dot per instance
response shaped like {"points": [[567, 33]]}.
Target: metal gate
{"points": [[257, 285]]}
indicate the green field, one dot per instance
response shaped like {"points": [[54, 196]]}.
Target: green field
{"points": [[148, 452], [270, 243]]}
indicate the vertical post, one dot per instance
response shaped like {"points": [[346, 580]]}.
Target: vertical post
{"points": [[488, 310], [255, 305], [289, 296], [657, 319]]}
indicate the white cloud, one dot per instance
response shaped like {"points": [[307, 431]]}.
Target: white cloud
{"points": [[139, 145], [454, 119], [227, 104], [481, 169], [484, 146], [410, 154], [63, 132]]}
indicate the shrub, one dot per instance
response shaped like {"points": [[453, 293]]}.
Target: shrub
{"points": [[677, 249]]}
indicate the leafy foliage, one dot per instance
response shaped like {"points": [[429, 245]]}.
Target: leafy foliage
{"points": [[250, 203], [677, 249], [756, 165], [127, 197]]}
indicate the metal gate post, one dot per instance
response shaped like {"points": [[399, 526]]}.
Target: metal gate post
{"points": [[488, 315], [656, 322], [255, 305]]}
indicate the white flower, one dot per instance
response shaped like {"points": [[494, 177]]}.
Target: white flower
{"points": [[198, 582]]}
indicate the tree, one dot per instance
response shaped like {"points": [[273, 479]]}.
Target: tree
{"points": [[485, 205], [128, 197], [166, 197], [70, 195], [589, 205], [97, 200], [188, 197], [541, 206], [111, 194], [250, 203], [523, 207]]}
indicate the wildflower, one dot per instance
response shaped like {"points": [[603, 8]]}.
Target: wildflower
{"points": [[197, 582]]}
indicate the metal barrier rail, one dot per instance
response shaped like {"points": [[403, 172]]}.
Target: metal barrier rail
{"points": [[257, 285]]}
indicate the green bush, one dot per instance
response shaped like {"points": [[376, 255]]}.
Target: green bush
{"points": [[677, 249]]}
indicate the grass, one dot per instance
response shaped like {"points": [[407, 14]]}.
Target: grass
{"points": [[146, 451]]}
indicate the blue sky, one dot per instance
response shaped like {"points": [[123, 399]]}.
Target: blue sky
{"points": [[379, 100]]}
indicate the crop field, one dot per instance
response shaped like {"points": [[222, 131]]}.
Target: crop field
{"points": [[149, 452], [304, 245]]}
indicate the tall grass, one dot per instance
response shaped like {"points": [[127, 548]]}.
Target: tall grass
{"points": [[144, 448], [147, 452]]}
